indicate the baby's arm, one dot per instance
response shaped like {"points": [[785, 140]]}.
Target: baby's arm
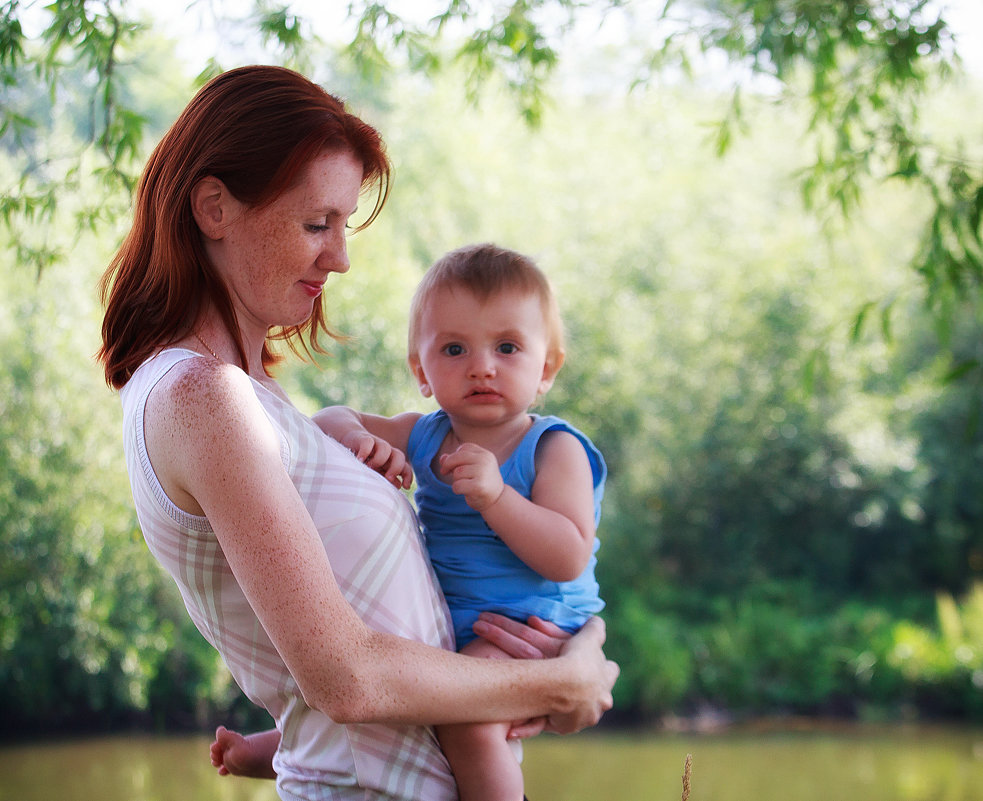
{"points": [[252, 755], [553, 531], [379, 442]]}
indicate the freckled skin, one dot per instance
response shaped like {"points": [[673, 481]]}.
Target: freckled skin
{"points": [[215, 453], [264, 254]]}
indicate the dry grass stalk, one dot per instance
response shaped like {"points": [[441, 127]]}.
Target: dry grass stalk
{"points": [[687, 771]]}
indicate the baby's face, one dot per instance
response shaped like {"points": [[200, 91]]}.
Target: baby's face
{"points": [[484, 360]]}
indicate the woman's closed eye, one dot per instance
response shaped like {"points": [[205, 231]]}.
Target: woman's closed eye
{"points": [[328, 223]]}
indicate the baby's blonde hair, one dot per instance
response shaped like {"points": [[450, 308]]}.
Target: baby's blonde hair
{"points": [[486, 270]]}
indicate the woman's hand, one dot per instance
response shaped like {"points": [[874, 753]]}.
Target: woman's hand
{"points": [[534, 639], [540, 639], [597, 674]]}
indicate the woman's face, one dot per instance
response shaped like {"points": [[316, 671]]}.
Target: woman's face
{"points": [[276, 258]]}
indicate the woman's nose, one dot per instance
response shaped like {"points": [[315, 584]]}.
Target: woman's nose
{"points": [[334, 257]]}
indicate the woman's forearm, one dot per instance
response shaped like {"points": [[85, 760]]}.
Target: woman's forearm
{"points": [[406, 682]]}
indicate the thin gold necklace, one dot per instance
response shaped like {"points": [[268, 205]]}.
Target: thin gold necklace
{"points": [[198, 337]]}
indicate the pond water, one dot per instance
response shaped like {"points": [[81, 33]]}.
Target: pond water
{"points": [[855, 764]]}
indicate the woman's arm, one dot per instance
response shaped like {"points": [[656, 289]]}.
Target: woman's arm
{"points": [[251, 755], [211, 442]]}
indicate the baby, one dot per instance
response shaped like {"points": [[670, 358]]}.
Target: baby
{"points": [[509, 500]]}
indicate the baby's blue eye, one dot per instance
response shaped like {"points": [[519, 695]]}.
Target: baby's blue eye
{"points": [[508, 348], [454, 350]]}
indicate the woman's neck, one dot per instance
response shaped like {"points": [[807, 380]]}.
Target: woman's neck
{"points": [[211, 334]]}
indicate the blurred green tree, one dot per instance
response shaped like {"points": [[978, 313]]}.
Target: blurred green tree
{"points": [[760, 477], [863, 68]]}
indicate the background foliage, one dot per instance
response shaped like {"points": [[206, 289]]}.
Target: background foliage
{"points": [[793, 520]]}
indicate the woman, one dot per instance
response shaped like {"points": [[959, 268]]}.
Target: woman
{"points": [[301, 565]]}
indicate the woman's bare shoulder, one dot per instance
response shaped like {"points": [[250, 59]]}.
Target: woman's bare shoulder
{"points": [[204, 423], [202, 405], [199, 386]]}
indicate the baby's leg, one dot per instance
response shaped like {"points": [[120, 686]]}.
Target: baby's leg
{"points": [[484, 765]]}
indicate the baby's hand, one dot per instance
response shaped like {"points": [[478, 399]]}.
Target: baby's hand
{"points": [[382, 457], [475, 474]]}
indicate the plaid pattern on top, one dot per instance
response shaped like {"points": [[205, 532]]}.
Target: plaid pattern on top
{"points": [[376, 551]]}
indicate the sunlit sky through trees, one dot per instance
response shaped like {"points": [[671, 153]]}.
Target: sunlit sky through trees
{"points": [[200, 37]]}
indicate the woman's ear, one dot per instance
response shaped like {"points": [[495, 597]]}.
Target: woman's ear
{"points": [[210, 205], [421, 378]]}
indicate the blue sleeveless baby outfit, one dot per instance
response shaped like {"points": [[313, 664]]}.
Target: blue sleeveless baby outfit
{"points": [[476, 570]]}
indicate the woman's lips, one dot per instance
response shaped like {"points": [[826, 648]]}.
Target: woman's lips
{"points": [[312, 288]]}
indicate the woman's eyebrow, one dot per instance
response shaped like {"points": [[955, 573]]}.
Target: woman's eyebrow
{"points": [[332, 211]]}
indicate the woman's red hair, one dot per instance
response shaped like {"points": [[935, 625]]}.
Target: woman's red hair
{"points": [[255, 129]]}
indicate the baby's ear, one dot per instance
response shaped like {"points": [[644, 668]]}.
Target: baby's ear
{"points": [[554, 361], [421, 378]]}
